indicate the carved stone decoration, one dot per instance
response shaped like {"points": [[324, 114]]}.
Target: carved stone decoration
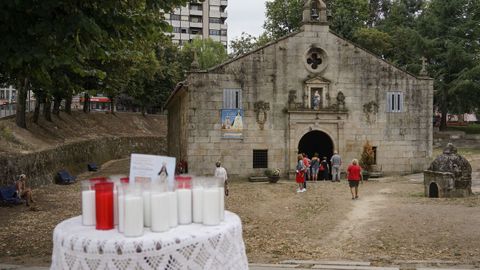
{"points": [[370, 108], [424, 72], [261, 108], [292, 96], [341, 100]]}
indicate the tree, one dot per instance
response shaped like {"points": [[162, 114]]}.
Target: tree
{"points": [[40, 37], [451, 31], [282, 17], [209, 52], [348, 16], [375, 40], [246, 43]]}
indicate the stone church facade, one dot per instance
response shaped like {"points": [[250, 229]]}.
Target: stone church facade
{"points": [[311, 91]]}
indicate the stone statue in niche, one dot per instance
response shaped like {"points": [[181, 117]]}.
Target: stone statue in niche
{"points": [[261, 108], [316, 99]]}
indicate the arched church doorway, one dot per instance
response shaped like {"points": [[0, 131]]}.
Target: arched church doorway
{"points": [[433, 190], [316, 142]]}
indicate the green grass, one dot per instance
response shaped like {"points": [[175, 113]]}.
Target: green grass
{"points": [[470, 129]]}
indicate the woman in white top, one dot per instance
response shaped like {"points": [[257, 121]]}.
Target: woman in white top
{"points": [[221, 173]]}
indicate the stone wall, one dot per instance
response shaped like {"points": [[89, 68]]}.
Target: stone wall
{"points": [[270, 74], [42, 166]]}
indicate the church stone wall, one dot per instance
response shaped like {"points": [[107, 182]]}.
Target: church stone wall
{"points": [[403, 140]]}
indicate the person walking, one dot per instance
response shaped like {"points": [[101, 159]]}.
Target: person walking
{"points": [[324, 169], [299, 176], [315, 167], [354, 176], [336, 162], [24, 192]]}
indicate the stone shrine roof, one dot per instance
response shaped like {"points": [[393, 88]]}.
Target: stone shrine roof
{"points": [[451, 161]]}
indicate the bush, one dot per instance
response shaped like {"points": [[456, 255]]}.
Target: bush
{"points": [[368, 156], [272, 172]]}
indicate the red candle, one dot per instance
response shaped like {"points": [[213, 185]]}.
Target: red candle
{"points": [[183, 181], [104, 205]]}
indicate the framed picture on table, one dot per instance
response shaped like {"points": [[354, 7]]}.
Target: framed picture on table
{"points": [[151, 168]]}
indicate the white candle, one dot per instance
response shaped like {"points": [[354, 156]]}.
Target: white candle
{"points": [[160, 215], [115, 207], [184, 199], [172, 209], [197, 196], [222, 203], [211, 206], [133, 216], [88, 207], [121, 213], [147, 218]]}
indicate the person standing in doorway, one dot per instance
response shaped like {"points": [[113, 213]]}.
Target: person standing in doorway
{"points": [[315, 166], [354, 175], [299, 174], [324, 169], [336, 162]]}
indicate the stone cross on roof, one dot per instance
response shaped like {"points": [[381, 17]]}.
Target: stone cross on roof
{"points": [[424, 72]]}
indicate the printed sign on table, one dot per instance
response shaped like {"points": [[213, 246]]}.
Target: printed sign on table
{"points": [[232, 123], [152, 168]]}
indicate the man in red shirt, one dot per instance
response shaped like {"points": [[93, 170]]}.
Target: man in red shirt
{"points": [[354, 176]]}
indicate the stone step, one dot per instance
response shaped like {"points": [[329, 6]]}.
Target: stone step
{"points": [[326, 262], [352, 267], [428, 268], [262, 266]]}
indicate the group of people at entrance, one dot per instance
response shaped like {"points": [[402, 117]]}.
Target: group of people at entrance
{"points": [[319, 169]]}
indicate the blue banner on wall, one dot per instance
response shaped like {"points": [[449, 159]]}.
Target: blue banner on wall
{"points": [[232, 123]]}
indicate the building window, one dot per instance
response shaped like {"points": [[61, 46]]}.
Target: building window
{"points": [[395, 102], [2, 94], [223, 33], [177, 29], [196, 19], [184, 30], [232, 98], [195, 31], [215, 20], [260, 159], [195, 7], [374, 149], [175, 17], [214, 32]]}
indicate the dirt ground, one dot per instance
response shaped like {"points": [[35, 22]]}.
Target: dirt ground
{"points": [[390, 221]]}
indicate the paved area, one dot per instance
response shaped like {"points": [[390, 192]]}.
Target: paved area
{"points": [[330, 265]]}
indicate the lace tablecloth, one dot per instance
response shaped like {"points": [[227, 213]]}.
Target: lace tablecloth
{"points": [[185, 247]]}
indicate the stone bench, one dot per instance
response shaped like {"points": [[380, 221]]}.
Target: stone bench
{"points": [[258, 179]]}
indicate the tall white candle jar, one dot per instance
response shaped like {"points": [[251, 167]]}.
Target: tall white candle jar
{"points": [[159, 207], [116, 179], [88, 203], [211, 202], [133, 219], [184, 199], [121, 202], [147, 216], [197, 199], [222, 197], [172, 207]]}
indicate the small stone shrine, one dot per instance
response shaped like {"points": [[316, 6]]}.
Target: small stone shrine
{"points": [[449, 175]]}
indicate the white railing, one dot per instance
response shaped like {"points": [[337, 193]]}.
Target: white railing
{"points": [[11, 108]]}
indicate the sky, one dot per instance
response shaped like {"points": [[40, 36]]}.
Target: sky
{"points": [[245, 16]]}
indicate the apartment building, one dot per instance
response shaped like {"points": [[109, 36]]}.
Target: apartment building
{"points": [[201, 18]]}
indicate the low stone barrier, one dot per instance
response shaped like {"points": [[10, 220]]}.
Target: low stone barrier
{"points": [[41, 167]]}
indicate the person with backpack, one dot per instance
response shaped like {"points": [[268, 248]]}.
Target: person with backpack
{"points": [[315, 167], [324, 169]]}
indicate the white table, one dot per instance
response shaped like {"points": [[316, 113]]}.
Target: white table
{"points": [[185, 247]]}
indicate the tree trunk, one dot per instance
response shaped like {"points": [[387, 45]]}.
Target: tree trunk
{"points": [[68, 102], [47, 109], [86, 103], [20, 117], [443, 121], [112, 104], [56, 105], [36, 112]]}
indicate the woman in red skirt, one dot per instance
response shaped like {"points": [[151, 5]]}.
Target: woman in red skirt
{"points": [[300, 171]]}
